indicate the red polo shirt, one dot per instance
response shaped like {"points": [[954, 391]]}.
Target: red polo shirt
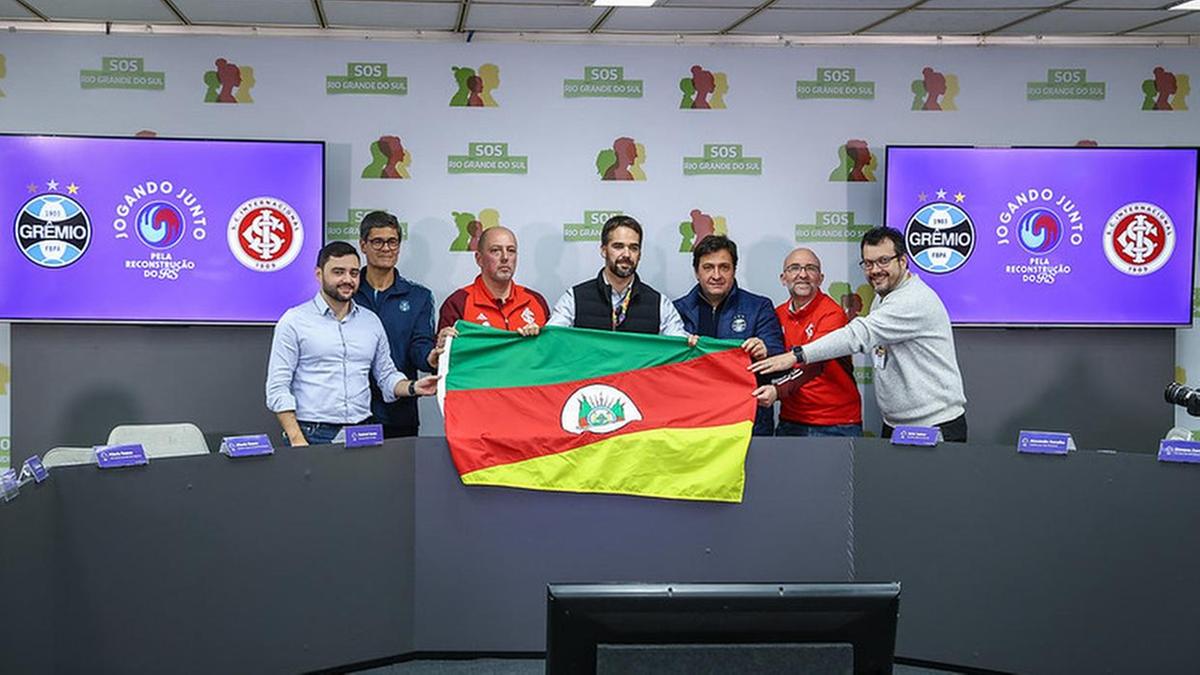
{"points": [[831, 397], [475, 304]]}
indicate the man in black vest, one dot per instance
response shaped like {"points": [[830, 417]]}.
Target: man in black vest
{"points": [[617, 299]]}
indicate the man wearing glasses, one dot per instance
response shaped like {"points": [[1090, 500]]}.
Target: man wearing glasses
{"points": [[406, 310], [822, 399], [907, 333]]}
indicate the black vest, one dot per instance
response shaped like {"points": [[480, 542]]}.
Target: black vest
{"points": [[593, 307]]}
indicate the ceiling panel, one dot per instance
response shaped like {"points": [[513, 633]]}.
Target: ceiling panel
{"points": [[990, 4], [135, 11], [948, 22], [746, 4], [525, 3], [1083, 21], [809, 21], [842, 4], [249, 12], [9, 9], [1124, 4], [1188, 23], [512, 18], [397, 15], [664, 20]]}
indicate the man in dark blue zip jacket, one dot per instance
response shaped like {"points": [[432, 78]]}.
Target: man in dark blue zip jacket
{"points": [[406, 310], [716, 307]]}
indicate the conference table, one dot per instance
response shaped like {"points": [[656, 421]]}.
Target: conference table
{"points": [[324, 556]]}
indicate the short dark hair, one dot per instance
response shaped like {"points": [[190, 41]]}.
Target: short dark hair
{"points": [[619, 221], [376, 219], [876, 235], [711, 244], [335, 249]]}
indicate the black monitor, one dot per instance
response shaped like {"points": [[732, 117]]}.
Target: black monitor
{"points": [[587, 620]]}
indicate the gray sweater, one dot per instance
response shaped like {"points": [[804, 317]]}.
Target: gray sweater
{"points": [[909, 329]]}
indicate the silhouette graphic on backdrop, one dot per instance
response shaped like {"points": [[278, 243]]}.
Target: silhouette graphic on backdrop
{"points": [[701, 225], [704, 90], [389, 159], [856, 302], [935, 91], [475, 87], [1166, 90], [856, 163], [229, 83], [470, 227], [623, 162]]}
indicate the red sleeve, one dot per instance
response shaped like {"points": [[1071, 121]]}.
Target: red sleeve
{"points": [[452, 309], [541, 301]]}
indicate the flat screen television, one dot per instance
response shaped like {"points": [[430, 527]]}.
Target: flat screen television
{"points": [[146, 230], [1079, 236], [581, 618]]}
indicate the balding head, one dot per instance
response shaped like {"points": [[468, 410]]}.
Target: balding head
{"points": [[802, 276], [497, 255]]}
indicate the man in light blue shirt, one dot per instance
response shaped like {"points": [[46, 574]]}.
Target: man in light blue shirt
{"points": [[323, 352]]}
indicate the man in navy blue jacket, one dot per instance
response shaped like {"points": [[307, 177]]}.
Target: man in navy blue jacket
{"points": [[406, 310], [716, 307]]}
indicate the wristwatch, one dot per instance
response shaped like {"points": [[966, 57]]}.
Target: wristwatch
{"points": [[412, 387], [798, 352]]}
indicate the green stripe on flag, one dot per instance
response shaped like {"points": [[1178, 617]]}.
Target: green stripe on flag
{"points": [[500, 358]]}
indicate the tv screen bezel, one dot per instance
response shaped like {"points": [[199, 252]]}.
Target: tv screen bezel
{"points": [[1042, 324], [568, 606], [198, 139]]}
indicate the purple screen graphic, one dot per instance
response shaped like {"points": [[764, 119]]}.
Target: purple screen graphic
{"points": [[1049, 236], [148, 230]]}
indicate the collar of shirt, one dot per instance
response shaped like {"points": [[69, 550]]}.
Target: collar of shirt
{"points": [[322, 306], [799, 314]]}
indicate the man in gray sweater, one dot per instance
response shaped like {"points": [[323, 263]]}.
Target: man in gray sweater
{"points": [[907, 333]]}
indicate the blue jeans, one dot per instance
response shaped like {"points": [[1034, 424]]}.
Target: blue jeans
{"points": [[319, 433], [787, 428]]}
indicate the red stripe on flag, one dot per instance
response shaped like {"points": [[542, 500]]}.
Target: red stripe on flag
{"points": [[491, 427]]}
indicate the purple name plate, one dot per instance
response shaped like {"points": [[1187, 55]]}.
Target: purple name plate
{"points": [[1045, 442], [1172, 450], [116, 456], [913, 435], [9, 486], [247, 446], [364, 435], [34, 469]]}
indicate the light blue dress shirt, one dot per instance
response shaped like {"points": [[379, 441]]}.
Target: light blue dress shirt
{"points": [[319, 365]]}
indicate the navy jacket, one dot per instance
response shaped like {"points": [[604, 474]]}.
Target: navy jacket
{"points": [[742, 315], [406, 310]]}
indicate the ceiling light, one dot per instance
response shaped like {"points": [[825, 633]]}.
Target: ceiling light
{"points": [[627, 3], [1190, 4]]}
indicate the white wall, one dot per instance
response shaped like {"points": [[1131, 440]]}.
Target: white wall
{"points": [[798, 140]]}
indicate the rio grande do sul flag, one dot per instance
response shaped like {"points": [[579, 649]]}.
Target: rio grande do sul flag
{"points": [[592, 411]]}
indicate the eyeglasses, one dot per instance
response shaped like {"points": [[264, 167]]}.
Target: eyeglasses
{"points": [[796, 268], [878, 262], [380, 244]]}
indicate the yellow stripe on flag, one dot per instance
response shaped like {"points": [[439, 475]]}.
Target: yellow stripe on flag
{"points": [[706, 463]]}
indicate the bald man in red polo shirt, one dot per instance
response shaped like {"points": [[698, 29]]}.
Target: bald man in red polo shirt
{"points": [[494, 299], [823, 399]]}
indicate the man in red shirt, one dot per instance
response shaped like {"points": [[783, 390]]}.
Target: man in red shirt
{"points": [[494, 299], [822, 399]]}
